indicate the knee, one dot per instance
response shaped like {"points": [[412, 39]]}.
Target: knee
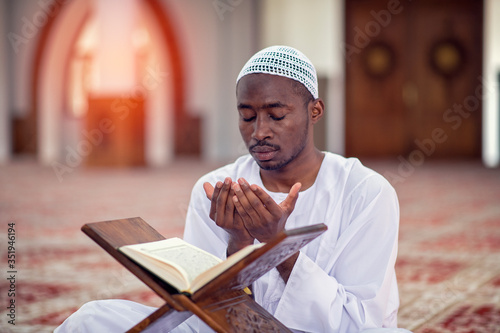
{"points": [[105, 316], [77, 321]]}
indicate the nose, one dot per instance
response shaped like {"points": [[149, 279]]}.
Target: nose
{"points": [[262, 129]]}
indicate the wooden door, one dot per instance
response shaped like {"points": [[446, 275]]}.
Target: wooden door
{"points": [[115, 132], [413, 78]]}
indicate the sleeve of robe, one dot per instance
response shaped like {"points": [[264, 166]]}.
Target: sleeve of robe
{"points": [[355, 290]]}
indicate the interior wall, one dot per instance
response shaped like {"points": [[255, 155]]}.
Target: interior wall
{"points": [[336, 82], [491, 70], [157, 81], [307, 26], [52, 82], [26, 19], [196, 30], [25, 23], [5, 141]]}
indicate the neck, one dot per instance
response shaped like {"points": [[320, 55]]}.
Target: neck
{"points": [[303, 169]]}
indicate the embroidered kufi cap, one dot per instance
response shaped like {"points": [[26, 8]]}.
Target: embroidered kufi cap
{"points": [[283, 61]]}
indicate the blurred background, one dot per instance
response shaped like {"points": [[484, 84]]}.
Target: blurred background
{"points": [[141, 82], [114, 108]]}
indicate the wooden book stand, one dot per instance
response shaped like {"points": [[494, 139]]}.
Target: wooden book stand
{"points": [[222, 304]]}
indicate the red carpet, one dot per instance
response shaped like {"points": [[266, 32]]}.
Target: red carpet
{"points": [[448, 266]]}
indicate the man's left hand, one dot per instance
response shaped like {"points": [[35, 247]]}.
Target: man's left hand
{"points": [[262, 216]]}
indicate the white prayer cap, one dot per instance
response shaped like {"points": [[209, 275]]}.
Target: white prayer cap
{"points": [[283, 61]]}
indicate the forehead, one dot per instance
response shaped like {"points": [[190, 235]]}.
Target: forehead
{"points": [[266, 88]]}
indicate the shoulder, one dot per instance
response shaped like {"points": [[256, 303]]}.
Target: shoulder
{"points": [[354, 177], [363, 195]]}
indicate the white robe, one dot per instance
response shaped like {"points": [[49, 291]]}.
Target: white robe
{"points": [[344, 281]]}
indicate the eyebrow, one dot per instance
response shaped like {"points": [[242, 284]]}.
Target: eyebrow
{"points": [[243, 106], [265, 106]]}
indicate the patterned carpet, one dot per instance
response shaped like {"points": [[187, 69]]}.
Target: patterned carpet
{"points": [[449, 254]]}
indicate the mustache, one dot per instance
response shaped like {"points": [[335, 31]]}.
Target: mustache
{"points": [[263, 143]]}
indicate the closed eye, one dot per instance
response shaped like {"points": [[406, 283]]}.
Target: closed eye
{"points": [[248, 119], [277, 118]]}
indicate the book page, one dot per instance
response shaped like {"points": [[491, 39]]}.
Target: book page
{"points": [[176, 258], [186, 258], [192, 260], [212, 272]]}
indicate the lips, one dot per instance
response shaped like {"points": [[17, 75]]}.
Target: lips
{"points": [[263, 153]]}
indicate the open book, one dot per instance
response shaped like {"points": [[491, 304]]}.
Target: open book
{"points": [[185, 267], [221, 302]]}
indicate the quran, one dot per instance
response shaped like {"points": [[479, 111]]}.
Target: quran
{"points": [[183, 266], [221, 302]]}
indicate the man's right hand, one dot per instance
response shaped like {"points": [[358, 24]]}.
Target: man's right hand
{"points": [[224, 214]]}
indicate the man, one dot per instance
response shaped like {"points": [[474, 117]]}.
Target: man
{"points": [[344, 281]]}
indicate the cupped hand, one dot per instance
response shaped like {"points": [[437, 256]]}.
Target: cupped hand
{"points": [[223, 213], [262, 217]]}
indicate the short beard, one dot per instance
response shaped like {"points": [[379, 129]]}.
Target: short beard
{"points": [[283, 164]]}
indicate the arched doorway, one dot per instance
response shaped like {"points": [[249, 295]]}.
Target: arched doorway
{"points": [[58, 60]]}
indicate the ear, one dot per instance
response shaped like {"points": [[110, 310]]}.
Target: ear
{"points": [[318, 107]]}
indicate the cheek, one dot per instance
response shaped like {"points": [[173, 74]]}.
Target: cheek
{"points": [[291, 129], [294, 134], [245, 130]]}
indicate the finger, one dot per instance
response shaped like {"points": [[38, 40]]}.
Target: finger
{"points": [[242, 214], [222, 207], [238, 220], [250, 195], [289, 203], [213, 199], [243, 217], [249, 202], [209, 190], [230, 203], [266, 200]]}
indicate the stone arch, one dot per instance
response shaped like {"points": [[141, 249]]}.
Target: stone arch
{"points": [[68, 19]]}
